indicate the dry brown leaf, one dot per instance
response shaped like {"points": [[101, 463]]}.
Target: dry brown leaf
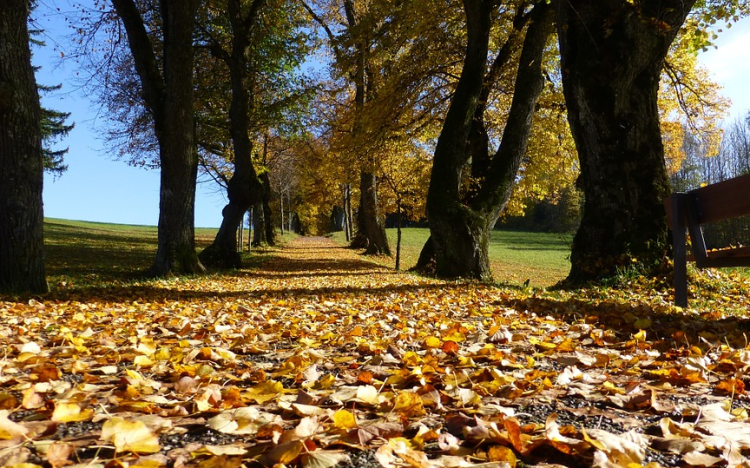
{"points": [[58, 454], [245, 420]]}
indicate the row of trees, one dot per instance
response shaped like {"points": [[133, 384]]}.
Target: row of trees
{"points": [[228, 87]]}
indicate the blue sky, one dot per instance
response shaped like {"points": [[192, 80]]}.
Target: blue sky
{"points": [[97, 187]]}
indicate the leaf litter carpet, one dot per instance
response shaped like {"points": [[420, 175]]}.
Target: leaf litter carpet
{"points": [[319, 358]]}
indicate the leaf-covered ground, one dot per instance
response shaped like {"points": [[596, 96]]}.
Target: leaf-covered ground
{"points": [[319, 359]]}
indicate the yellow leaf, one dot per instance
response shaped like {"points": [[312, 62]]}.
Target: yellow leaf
{"points": [[325, 382], [133, 374], [432, 342], [130, 436], [368, 394], [143, 361], [148, 464], [411, 359], [264, 391], [285, 453], [246, 420], [344, 420], [455, 336], [146, 346], [499, 453], [71, 412], [409, 404], [323, 459], [610, 387]]}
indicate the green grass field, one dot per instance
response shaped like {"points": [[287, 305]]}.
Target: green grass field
{"points": [[82, 254], [515, 256], [89, 254]]}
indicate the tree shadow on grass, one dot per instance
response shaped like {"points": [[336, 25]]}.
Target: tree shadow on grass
{"points": [[97, 268]]}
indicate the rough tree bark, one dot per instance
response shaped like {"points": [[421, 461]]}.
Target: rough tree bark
{"points": [[460, 227], [244, 188], [21, 167], [612, 53], [259, 225], [267, 211], [169, 98], [369, 223]]}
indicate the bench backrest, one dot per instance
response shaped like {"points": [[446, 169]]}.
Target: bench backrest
{"points": [[722, 200], [712, 203]]}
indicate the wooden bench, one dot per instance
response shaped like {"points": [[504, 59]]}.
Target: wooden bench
{"points": [[709, 204]]}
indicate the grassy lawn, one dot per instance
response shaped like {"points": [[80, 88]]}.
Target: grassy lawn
{"points": [[82, 253], [516, 256]]}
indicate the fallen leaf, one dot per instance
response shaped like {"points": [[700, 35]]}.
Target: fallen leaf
{"points": [[10, 429], [323, 459], [344, 420], [245, 420], [130, 436], [71, 412]]}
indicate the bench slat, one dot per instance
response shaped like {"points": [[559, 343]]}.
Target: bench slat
{"points": [[723, 200], [730, 252]]}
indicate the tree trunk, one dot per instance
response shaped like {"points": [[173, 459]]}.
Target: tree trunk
{"points": [[21, 167], [244, 188], [398, 235], [449, 219], [289, 207], [250, 229], [240, 235], [259, 225], [370, 226], [169, 98], [460, 229], [281, 211], [612, 53], [267, 212], [348, 211], [426, 260]]}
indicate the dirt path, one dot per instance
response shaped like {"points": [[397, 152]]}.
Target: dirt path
{"points": [[319, 264]]}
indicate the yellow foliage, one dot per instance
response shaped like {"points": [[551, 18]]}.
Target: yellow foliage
{"points": [[689, 100]]}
